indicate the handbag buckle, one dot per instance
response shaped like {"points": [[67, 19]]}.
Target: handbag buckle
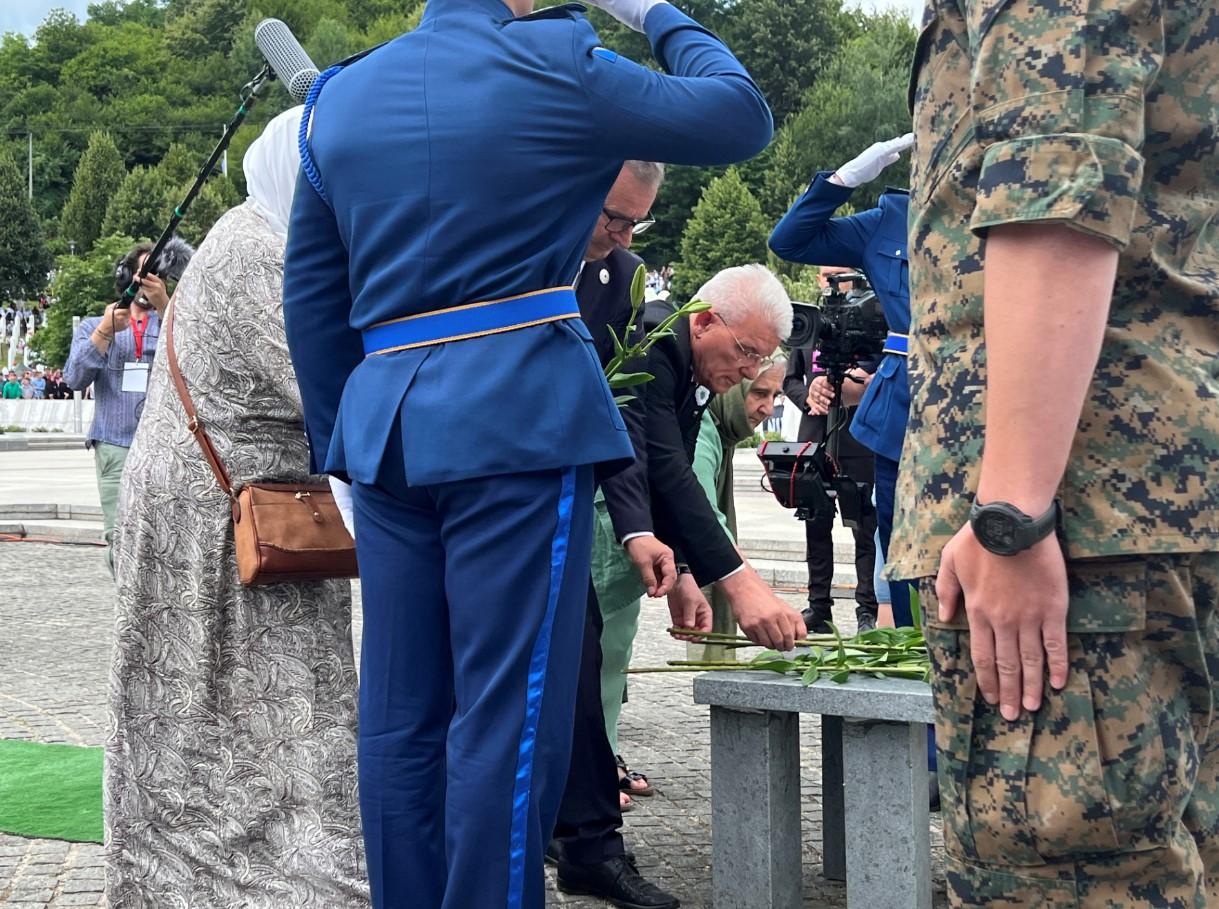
{"points": [[304, 495]]}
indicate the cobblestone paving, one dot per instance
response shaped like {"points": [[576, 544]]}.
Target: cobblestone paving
{"points": [[55, 619]]}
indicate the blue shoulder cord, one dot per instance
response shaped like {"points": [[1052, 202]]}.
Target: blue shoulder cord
{"points": [[307, 164]]}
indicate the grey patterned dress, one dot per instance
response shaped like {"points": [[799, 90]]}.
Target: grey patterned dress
{"points": [[230, 771]]}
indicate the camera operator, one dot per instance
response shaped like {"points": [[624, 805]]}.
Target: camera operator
{"points": [[874, 241], [112, 352], [806, 386], [709, 354]]}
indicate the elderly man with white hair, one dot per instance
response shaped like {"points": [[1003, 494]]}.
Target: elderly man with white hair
{"points": [[708, 355]]}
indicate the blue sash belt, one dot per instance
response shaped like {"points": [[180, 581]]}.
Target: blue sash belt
{"points": [[897, 344], [474, 320]]}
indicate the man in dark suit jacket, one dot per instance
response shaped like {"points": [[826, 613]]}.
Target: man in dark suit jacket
{"points": [[858, 462], [709, 354], [587, 845]]}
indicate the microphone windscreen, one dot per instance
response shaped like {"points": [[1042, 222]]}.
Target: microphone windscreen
{"points": [[286, 57], [174, 257]]}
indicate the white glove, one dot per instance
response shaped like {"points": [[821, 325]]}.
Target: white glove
{"points": [[630, 13], [867, 167], [342, 498]]}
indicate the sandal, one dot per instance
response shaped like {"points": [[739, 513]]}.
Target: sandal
{"points": [[624, 803], [628, 778]]}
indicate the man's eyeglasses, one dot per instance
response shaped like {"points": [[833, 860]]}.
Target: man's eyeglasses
{"points": [[620, 224], [747, 353]]}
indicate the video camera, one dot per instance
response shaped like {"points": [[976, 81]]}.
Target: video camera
{"points": [[847, 329]]}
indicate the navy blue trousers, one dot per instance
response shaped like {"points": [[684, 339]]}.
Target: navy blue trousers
{"points": [[903, 615], [886, 495], [474, 604]]}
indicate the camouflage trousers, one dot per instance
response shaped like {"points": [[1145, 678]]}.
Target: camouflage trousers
{"points": [[1108, 796]]}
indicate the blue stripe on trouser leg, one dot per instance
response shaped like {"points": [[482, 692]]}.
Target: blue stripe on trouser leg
{"points": [[500, 558], [537, 690]]}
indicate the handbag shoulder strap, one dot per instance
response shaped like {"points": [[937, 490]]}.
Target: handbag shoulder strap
{"points": [[193, 423]]}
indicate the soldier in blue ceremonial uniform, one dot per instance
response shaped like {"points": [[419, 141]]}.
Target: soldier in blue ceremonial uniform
{"points": [[874, 241], [444, 370]]}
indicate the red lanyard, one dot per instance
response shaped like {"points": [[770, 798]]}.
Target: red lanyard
{"points": [[137, 331]]}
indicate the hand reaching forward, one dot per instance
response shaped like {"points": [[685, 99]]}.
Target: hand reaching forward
{"points": [[655, 563], [688, 608]]}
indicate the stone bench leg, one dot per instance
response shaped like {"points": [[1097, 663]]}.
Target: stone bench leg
{"points": [[755, 809], [833, 805], [888, 850]]}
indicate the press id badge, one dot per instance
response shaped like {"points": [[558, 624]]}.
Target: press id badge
{"points": [[135, 377]]}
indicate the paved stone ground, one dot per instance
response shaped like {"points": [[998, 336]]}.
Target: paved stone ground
{"points": [[55, 617]]}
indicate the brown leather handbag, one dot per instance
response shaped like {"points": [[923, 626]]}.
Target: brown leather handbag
{"points": [[284, 532]]}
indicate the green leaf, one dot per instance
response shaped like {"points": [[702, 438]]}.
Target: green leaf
{"points": [[916, 609], [811, 675], [624, 400], [630, 379], [841, 678], [775, 665]]}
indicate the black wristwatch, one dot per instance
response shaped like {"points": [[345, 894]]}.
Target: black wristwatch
{"points": [[1007, 531]]}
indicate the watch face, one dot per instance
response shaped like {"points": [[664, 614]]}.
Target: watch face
{"points": [[996, 530]]}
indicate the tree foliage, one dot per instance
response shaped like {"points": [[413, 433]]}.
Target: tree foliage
{"points": [[140, 208], [23, 254], [727, 228], [162, 77], [97, 179], [83, 286], [861, 100]]}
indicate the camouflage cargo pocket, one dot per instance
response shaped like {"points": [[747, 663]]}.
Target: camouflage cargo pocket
{"points": [[1085, 774]]}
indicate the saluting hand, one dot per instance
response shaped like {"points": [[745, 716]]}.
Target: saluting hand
{"points": [[630, 13], [867, 166]]}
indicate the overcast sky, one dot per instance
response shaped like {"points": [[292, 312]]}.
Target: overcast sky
{"points": [[24, 15]]}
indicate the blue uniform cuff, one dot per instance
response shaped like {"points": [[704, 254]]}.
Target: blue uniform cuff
{"points": [[822, 185]]}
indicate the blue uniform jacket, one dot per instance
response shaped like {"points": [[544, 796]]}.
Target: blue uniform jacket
{"points": [[466, 161], [874, 241]]}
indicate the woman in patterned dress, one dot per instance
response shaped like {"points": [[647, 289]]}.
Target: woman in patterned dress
{"points": [[230, 771]]}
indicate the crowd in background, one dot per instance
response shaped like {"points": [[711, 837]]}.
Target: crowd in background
{"points": [[35, 385]]}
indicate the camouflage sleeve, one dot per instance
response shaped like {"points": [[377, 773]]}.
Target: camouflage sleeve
{"points": [[1058, 93]]}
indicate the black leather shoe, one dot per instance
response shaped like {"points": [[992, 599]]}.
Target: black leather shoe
{"points": [[866, 622], [617, 881], [816, 622], [556, 854]]}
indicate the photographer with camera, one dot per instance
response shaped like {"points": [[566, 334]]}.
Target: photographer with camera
{"points": [[113, 352], [806, 385], [874, 241]]}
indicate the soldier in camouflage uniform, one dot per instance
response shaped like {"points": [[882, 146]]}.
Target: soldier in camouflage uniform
{"points": [[1066, 186]]}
